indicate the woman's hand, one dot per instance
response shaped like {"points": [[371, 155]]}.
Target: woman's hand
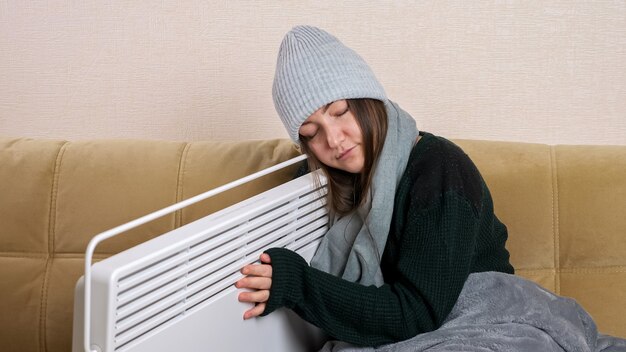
{"points": [[257, 277]]}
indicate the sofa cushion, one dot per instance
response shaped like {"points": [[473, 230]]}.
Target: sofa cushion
{"points": [[26, 176], [592, 231], [563, 206], [57, 195], [22, 280], [520, 178], [102, 184]]}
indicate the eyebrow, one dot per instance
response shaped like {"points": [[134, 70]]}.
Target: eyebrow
{"points": [[324, 108]]}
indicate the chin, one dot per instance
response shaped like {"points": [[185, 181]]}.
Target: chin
{"points": [[354, 169]]}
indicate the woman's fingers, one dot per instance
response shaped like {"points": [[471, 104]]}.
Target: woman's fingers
{"points": [[254, 296], [257, 270], [254, 312], [265, 258], [257, 277], [254, 282]]}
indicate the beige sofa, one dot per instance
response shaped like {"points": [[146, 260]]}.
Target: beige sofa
{"points": [[565, 207]]}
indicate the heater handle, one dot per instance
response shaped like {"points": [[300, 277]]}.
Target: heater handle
{"points": [[147, 218]]}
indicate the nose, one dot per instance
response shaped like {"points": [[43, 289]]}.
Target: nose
{"points": [[334, 136]]}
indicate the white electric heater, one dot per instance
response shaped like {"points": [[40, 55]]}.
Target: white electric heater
{"points": [[176, 292]]}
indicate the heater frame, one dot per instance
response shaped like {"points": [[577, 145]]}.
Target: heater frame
{"points": [[219, 244]]}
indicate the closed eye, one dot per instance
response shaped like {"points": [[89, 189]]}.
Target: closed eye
{"points": [[308, 132], [342, 113]]}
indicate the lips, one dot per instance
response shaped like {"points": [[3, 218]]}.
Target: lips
{"points": [[345, 153]]}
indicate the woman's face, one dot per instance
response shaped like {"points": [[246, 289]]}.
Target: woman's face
{"points": [[334, 136]]}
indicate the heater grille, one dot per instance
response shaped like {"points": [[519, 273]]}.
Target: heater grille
{"points": [[158, 292]]}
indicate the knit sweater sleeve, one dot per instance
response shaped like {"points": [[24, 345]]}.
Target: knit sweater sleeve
{"points": [[430, 272], [428, 259]]}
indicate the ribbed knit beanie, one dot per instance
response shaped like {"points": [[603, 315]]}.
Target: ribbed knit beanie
{"points": [[313, 69]]}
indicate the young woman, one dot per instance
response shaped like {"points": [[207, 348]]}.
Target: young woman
{"points": [[413, 217]]}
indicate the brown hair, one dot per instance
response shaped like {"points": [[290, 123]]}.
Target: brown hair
{"points": [[346, 191]]}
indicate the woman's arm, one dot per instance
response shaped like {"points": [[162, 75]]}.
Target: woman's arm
{"points": [[441, 218], [431, 267]]}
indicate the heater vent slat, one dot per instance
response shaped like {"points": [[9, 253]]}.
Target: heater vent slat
{"points": [[308, 238], [214, 245], [150, 270], [210, 292], [268, 228], [208, 260], [215, 267], [192, 274], [270, 214], [156, 307], [312, 203], [151, 286], [141, 302], [129, 304], [212, 284], [211, 237], [163, 289], [311, 217], [312, 226], [151, 323], [267, 241]]}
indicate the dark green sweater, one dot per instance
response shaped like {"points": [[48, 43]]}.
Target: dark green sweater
{"points": [[443, 228]]}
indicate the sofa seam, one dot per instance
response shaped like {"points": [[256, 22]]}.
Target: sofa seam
{"points": [[592, 270], [586, 269], [178, 218], [24, 255], [582, 269], [50, 254], [30, 255], [555, 218]]}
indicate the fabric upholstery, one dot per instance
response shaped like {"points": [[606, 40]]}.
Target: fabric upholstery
{"points": [[564, 207]]}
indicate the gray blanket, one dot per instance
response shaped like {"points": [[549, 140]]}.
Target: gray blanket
{"points": [[501, 312]]}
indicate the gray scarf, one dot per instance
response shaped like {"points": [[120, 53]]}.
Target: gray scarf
{"points": [[354, 244]]}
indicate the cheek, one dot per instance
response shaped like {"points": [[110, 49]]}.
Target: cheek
{"points": [[321, 153], [317, 151], [354, 129]]}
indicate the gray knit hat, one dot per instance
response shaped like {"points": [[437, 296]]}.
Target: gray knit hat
{"points": [[313, 69]]}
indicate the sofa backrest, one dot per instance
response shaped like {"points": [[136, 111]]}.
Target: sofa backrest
{"points": [[55, 196], [565, 208]]}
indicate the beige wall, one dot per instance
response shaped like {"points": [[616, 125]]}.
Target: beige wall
{"points": [[551, 72]]}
